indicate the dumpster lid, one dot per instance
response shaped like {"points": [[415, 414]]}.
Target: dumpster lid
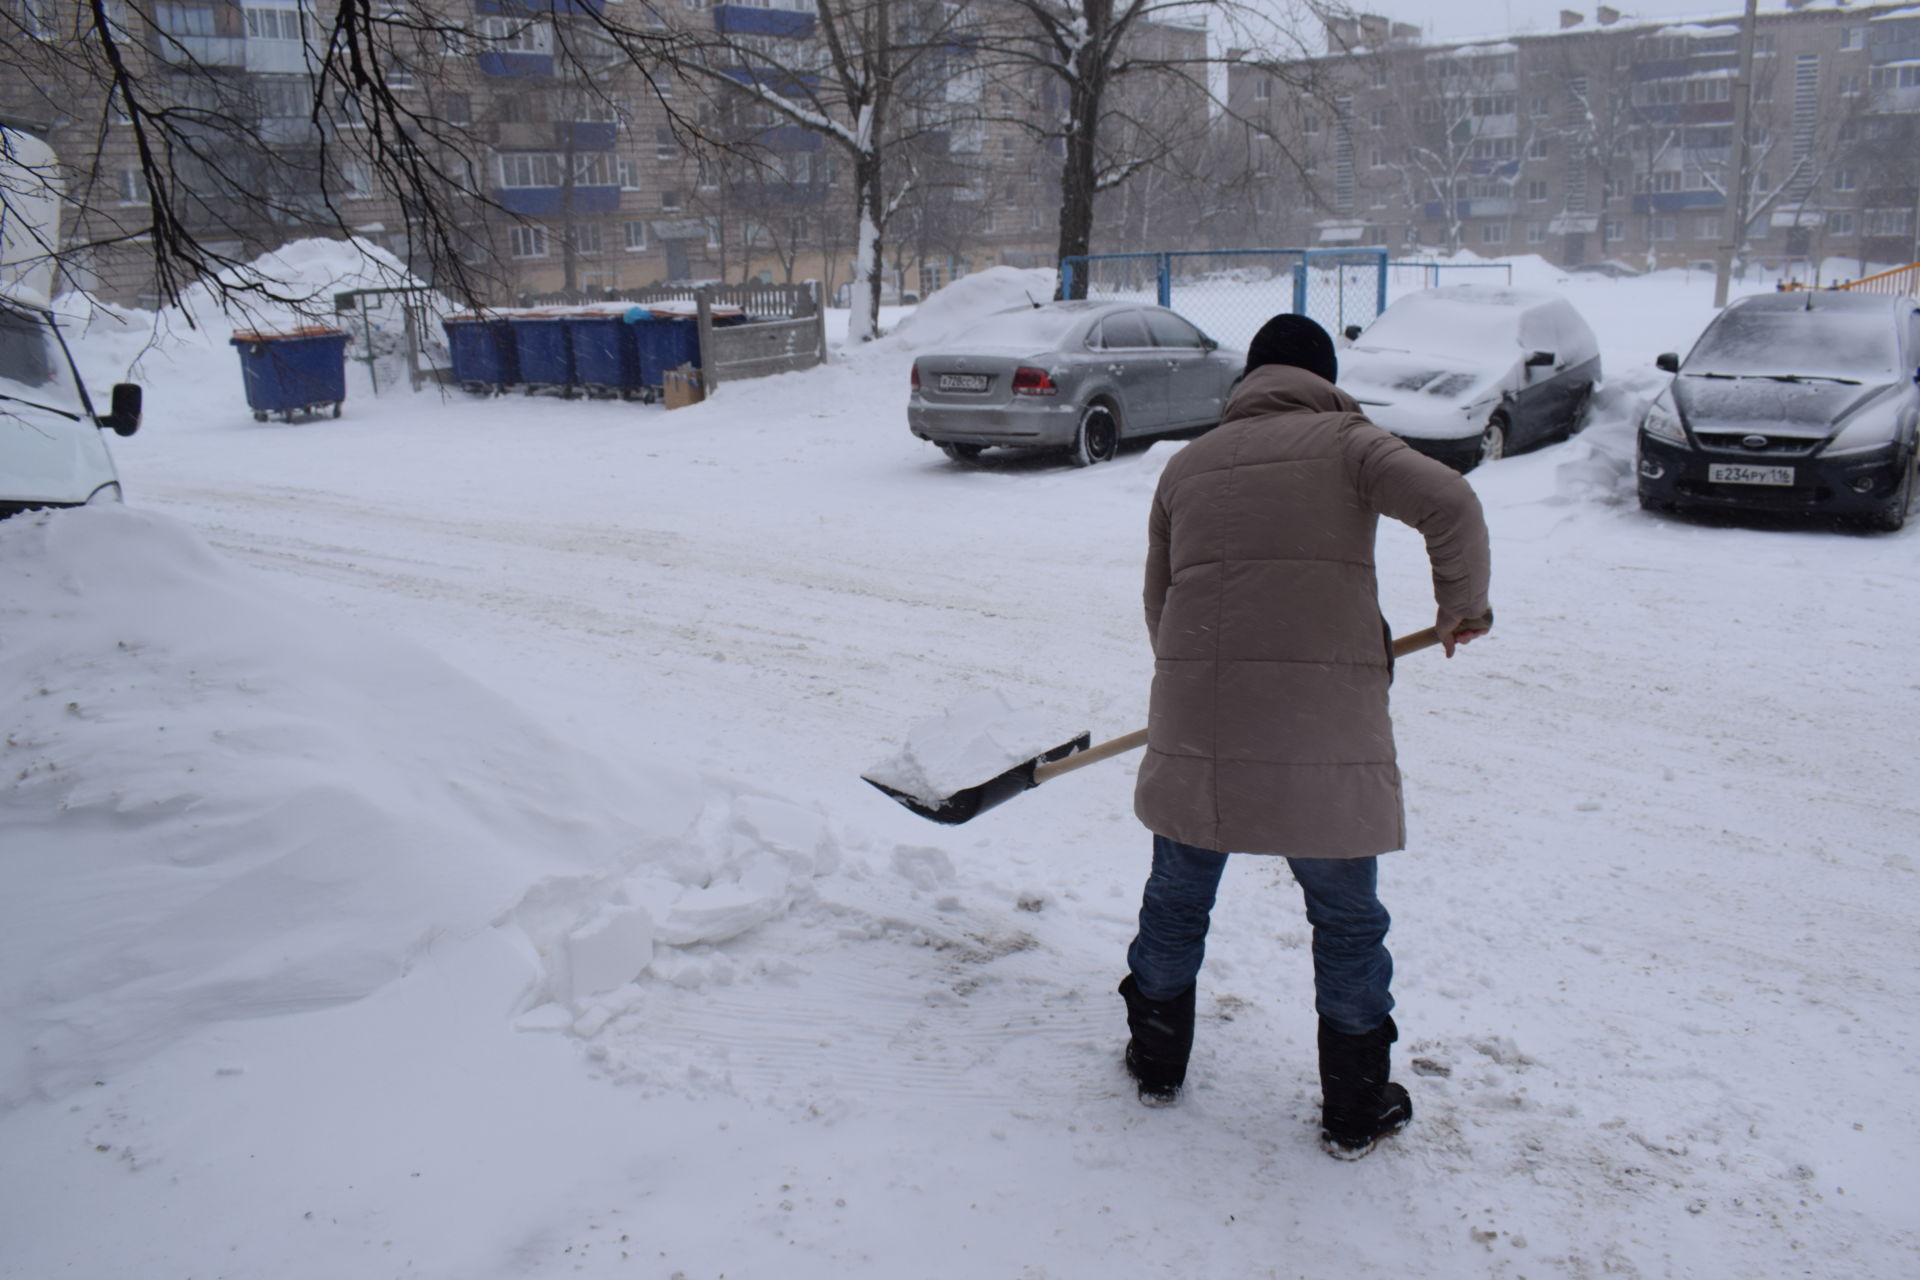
{"points": [[310, 331]]}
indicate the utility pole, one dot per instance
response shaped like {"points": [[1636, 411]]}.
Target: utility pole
{"points": [[1734, 226]]}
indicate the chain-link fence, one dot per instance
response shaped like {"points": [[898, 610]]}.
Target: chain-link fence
{"points": [[1410, 277], [1231, 293]]}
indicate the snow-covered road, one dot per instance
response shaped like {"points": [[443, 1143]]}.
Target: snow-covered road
{"points": [[1653, 932]]}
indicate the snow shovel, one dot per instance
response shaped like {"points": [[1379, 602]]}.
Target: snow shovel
{"points": [[970, 802]]}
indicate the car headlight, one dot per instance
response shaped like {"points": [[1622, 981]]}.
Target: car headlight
{"points": [[1871, 428], [1662, 420]]}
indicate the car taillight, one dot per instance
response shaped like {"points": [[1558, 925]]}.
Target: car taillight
{"points": [[1033, 382], [916, 377]]}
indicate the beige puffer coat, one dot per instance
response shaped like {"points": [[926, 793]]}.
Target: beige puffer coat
{"points": [[1268, 729]]}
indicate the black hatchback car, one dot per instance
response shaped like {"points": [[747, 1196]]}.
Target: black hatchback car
{"points": [[1792, 402]]}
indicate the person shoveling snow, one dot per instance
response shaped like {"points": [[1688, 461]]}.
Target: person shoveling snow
{"points": [[1268, 729]]}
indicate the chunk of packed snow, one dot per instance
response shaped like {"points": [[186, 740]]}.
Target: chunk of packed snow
{"points": [[976, 739]]}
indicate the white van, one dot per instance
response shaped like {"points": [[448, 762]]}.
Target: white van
{"points": [[51, 451]]}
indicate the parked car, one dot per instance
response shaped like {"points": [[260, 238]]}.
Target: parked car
{"points": [[51, 453], [1801, 401], [1079, 376], [1468, 374]]}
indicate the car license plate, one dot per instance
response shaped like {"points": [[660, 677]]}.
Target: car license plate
{"points": [[963, 382], [1741, 473]]}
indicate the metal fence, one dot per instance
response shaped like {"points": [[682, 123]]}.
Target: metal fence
{"points": [[1230, 293], [1404, 277], [769, 301]]}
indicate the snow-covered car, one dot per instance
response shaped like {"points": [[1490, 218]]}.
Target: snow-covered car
{"points": [[1079, 376], [1467, 374], [1803, 401]]}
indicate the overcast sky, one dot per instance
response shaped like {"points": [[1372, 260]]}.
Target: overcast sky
{"points": [[1460, 18]]}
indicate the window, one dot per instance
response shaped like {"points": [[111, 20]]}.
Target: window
{"points": [[1124, 331], [133, 187], [526, 169], [708, 173], [1262, 89], [1376, 158], [1850, 86], [357, 176], [587, 239], [590, 170], [1536, 233], [1707, 227], [1665, 229], [669, 202], [1538, 149], [283, 97], [1171, 331], [1613, 229], [1493, 233], [1493, 149], [184, 19], [273, 24], [1036, 221], [988, 222], [1840, 224], [512, 35], [636, 236], [399, 74], [1379, 80], [1888, 222], [1377, 118], [527, 242], [1541, 105], [626, 171], [1843, 180], [457, 108], [1853, 38], [1310, 125], [1006, 147], [1536, 191], [664, 147], [713, 232], [800, 168]]}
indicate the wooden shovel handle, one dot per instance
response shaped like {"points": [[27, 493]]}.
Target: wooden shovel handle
{"points": [[1402, 646]]}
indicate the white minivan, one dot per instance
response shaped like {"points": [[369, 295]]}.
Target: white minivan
{"points": [[51, 453]]}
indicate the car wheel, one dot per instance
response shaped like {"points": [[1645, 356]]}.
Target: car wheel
{"points": [[1493, 441], [961, 452], [1098, 437]]}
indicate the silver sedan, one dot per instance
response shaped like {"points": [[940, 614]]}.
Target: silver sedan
{"points": [[1079, 376]]}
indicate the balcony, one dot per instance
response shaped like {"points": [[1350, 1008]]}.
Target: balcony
{"points": [[1678, 201], [786, 138], [515, 66], [784, 24], [551, 202], [199, 51], [529, 8]]}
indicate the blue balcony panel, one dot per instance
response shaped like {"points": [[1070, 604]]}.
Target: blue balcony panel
{"points": [[786, 24], [551, 202], [530, 8], [592, 135], [784, 83], [1679, 201], [524, 66], [788, 137]]}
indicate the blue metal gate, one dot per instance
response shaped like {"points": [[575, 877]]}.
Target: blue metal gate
{"points": [[1230, 293]]}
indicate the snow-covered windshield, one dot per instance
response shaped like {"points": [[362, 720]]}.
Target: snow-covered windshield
{"points": [[32, 366], [1476, 331], [1767, 342], [1030, 329]]}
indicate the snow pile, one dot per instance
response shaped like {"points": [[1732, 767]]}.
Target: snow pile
{"points": [[968, 301], [222, 802], [976, 739]]}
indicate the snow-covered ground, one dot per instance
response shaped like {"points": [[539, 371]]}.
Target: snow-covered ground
{"points": [[434, 846]]}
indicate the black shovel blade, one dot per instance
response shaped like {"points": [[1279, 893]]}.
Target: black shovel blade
{"points": [[970, 802]]}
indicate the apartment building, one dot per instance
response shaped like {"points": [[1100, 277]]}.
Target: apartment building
{"points": [[576, 158], [1608, 139]]}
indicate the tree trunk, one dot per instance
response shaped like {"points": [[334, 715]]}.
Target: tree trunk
{"points": [[863, 325], [1078, 176]]}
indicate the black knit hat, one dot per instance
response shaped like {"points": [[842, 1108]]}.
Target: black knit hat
{"points": [[1294, 340]]}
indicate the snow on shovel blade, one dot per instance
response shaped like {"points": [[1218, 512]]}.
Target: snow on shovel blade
{"points": [[970, 802]]}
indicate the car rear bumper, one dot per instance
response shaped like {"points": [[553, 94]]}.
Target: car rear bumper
{"points": [[1674, 475], [1026, 422]]}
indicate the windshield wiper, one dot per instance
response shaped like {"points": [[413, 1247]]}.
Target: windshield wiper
{"points": [[1780, 377], [35, 404]]}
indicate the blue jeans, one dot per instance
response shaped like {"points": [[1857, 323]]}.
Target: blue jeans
{"points": [[1351, 968]]}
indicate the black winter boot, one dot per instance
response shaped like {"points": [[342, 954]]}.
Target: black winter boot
{"points": [[1162, 1040], [1359, 1106]]}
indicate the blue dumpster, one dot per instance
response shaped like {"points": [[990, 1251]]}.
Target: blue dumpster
{"points": [[482, 349], [606, 359], [542, 342], [664, 342], [299, 371]]}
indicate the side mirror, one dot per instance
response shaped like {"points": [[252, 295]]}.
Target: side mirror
{"points": [[1351, 332], [125, 418], [1208, 344], [1540, 360], [1667, 362]]}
